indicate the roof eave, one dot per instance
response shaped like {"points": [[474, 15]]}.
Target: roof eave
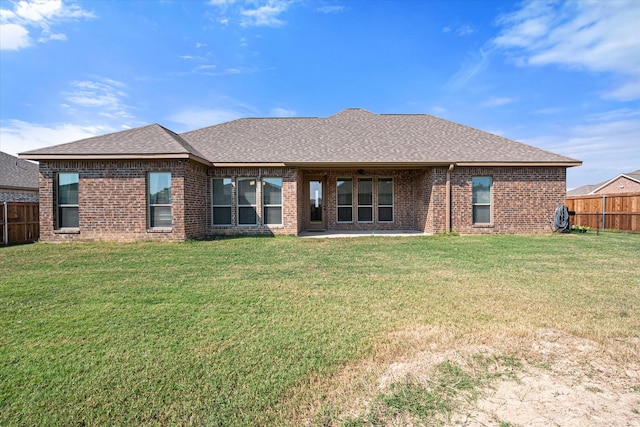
{"points": [[248, 165], [413, 165], [166, 156], [14, 188], [569, 163]]}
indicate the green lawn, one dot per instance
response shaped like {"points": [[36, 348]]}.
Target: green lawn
{"points": [[230, 332]]}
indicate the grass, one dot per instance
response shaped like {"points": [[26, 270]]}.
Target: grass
{"points": [[237, 332]]}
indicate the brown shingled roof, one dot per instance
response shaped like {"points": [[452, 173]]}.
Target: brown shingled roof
{"points": [[351, 136], [359, 136], [17, 174], [150, 140]]}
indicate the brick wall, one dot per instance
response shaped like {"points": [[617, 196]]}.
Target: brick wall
{"points": [[620, 185], [523, 199], [112, 200], [195, 201], [289, 202]]}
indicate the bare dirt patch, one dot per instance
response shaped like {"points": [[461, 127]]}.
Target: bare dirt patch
{"points": [[541, 378]]}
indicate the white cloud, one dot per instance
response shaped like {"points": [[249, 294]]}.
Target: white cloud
{"points": [[39, 15], [254, 13], [331, 9], [282, 112], [475, 63], [221, 2], [13, 37], [579, 35], [465, 30], [461, 31], [104, 94], [499, 101], [266, 15], [17, 136]]}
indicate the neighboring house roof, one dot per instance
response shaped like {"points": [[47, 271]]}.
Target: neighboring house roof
{"points": [[594, 188], [17, 174], [353, 136]]}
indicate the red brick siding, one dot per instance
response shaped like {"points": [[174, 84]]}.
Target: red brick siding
{"points": [[289, 201], [112, 199], [195, 201], [436, 210], [523, 199], [301, 212]]}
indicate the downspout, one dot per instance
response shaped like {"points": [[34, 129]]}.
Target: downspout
{"points": [[447, 202]]}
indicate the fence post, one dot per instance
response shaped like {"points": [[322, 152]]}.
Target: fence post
{"points": [[5, 224], [604, 209]]}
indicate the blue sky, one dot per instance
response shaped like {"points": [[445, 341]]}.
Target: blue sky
{"points": [[562, 76]]}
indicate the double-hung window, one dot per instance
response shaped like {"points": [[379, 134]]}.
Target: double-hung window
{"points": [[344, 192], [365, 199], [385, 199], [159, 184], [247, 201], [481, 195], [272, 200], [67, 190], [221, 201]]}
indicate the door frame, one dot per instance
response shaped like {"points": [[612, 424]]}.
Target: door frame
{"points": [[307, 203]]}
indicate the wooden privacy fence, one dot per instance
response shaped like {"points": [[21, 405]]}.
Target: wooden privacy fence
{"points": [[606, 212], [20, 222]]}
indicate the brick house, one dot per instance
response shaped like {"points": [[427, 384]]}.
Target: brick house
{"points": [[624, 183], [18, 179], [355, 170]]}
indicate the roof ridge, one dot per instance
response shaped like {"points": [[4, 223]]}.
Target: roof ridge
{"points": [[183, 142]]}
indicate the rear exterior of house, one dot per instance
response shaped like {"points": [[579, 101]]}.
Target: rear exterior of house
{"points": [[352, 171]]}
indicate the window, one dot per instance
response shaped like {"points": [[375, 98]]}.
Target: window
{"points": [[247, 201], [385, 199], [221, 201], [159, 199], [68, 200], [481, 189], [272, 200], [344, 192], [365, 200]]}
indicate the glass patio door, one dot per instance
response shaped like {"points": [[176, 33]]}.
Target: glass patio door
{"points": [[316, 211]]}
